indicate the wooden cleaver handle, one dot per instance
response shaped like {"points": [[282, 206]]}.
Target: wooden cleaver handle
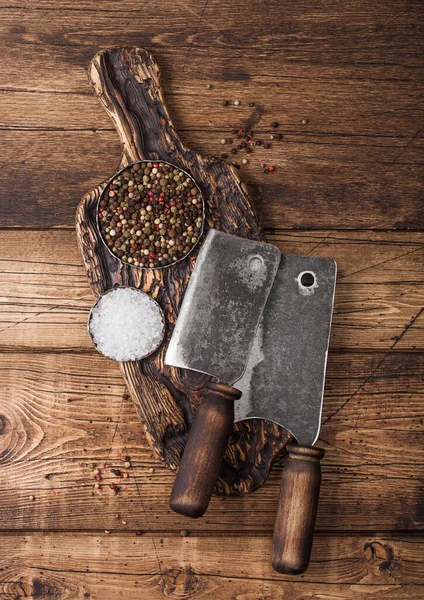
{"points": [[297, 509], [204, 451]]}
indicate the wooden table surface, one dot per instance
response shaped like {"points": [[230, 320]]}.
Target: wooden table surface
{"points": [[344, 80]]}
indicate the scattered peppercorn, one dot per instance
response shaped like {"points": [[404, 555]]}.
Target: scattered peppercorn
{"points": [[151, 470], [127, 464], [208, 86], [251, 104], [184, 533], [305, 121], [123, 522], [32, 498], [267, 146], [225, 155], [233, 150], [274, 124], [225, 103], [151, 214], [116, 472], [236, 102], [245, 161], [223, 141]]}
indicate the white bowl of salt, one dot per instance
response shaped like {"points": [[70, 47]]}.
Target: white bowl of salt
{"points": [[125, 324]]}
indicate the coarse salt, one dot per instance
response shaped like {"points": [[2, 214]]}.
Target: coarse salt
{"points": [[126, 324]]}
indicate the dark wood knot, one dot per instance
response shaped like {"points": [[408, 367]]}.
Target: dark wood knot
{"points": [[180, 582], [379, 557]]}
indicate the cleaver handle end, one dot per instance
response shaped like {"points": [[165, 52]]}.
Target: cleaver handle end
{"points": [[204, 451], [297, 509]]}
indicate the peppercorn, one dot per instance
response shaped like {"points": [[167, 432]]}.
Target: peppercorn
{"points": [[267, 146], [251, 104], [236, 102], [136, 210], [274, 124], [225, 103]]}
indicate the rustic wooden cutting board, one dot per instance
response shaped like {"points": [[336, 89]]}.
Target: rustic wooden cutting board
{"points": [[127, 83]]}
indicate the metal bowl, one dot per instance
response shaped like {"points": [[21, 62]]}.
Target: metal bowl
{"points": [[140, 162], [90, 316]]}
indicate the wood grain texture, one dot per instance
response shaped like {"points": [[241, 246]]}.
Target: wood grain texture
{"points": [[46, 298], [319, 178], [127, 83], [356, 77], [355, 72], [61, 412], [297, 509], [106, 567]]}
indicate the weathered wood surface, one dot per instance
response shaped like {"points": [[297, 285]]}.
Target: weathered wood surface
{"points": [[110, 566], [46, 297], [355, 72], [356, 77], [317, 178], [62, 412]]}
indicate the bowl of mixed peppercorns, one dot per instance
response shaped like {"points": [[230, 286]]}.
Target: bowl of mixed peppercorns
{"points": [[151, 214]]}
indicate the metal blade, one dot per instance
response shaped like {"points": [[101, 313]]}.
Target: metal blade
{"points": [[222, 306], [284, 378]]}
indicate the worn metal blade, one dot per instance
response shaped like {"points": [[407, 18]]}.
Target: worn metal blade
{"points": [[284, 378], [222, 306]]}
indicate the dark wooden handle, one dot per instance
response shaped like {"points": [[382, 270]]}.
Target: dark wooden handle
{"points": [[204, 451], [297, 509]]}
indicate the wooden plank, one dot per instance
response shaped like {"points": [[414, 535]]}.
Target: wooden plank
{"points": [[62, 412], [194, 108], [46, 298], [320, 181], [356, 42], [152, 567]]}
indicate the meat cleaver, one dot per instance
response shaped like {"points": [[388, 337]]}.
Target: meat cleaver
{"points": [[284, 383], [214, 333]]}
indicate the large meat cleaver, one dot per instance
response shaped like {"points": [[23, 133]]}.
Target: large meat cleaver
{"points": [[284, 383], [214, 333]]}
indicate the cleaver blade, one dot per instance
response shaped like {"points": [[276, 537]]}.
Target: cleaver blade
{"points": [[222, 306], [284, 378], [214, 333]]}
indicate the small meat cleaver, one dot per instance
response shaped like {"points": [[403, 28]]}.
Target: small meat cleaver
{"points": [[214, 333], [284, 383]]}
